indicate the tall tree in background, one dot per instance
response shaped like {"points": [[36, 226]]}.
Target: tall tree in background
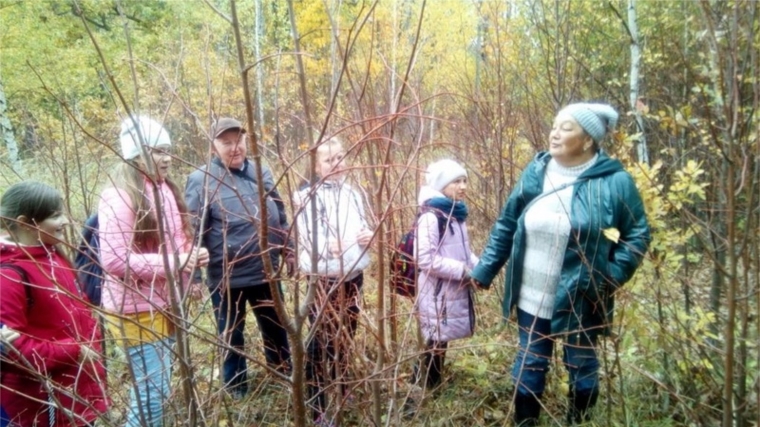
{"points": [[635, 103], [7, 135], [731, 99], [258, 40]]}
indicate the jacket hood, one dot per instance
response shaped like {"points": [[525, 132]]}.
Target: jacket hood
{"points": [[604, 165], [426, 193]]}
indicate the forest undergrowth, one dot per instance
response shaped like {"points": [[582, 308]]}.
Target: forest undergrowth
{"points": [[476, 390]]}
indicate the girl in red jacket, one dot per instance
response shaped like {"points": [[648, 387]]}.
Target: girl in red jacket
{"points": [[52, 375]]}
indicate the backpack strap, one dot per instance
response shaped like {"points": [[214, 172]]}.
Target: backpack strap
{"points": [[443, 221], [87, 261], [89, 246], [24, 279]]}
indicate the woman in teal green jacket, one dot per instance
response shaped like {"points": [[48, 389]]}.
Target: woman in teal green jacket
{"points": [[574, 231]]}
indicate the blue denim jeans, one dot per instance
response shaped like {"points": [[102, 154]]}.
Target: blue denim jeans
{"points": [[536, 347], [5, 420], [230, 311], [151, 369]]}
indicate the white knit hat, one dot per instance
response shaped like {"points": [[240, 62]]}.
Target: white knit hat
{"points": [[153, 135], [595, 119], [442, 173]]}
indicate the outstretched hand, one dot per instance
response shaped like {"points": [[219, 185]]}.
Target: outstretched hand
{"points": [[197, 257], [475, 284]]}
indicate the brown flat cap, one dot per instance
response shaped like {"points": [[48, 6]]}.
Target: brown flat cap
{"points": [[224, 124]]}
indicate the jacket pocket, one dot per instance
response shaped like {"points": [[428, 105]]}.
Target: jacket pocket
{"points": [[440, 302]]}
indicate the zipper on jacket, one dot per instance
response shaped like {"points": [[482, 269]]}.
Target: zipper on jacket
{"points": [[438, 289], [444, 313]]}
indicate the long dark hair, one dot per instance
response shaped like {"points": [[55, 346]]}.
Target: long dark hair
{"points": [[32, 199], [130, 178]]}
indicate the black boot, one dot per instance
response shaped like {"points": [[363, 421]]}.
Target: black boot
{"points": [[581, 403], [429, 371], [527, 410], [435, 370]]}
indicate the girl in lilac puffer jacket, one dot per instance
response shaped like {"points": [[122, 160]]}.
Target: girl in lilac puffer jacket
{"points": [[445, 304]]}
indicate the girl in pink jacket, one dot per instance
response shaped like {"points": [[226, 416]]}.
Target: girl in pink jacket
{"points": [[445, 305], [138, 261]]}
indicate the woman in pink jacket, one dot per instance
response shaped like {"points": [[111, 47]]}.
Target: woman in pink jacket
{"points": [[52, 374], [139, 261], [445, 305]]}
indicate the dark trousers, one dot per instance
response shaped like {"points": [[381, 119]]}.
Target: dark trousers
{"points": [[334, 317], [430, 370], [230, 311]]}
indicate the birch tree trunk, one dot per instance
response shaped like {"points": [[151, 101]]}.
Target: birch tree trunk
{"points": [[641, 143], [258, 33], [336, 63], [7, 136]]}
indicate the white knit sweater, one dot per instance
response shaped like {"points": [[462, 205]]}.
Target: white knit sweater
{"points": [[547, 229]]}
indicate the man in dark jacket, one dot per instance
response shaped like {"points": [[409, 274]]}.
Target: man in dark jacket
{"points": [[224, 198]]}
